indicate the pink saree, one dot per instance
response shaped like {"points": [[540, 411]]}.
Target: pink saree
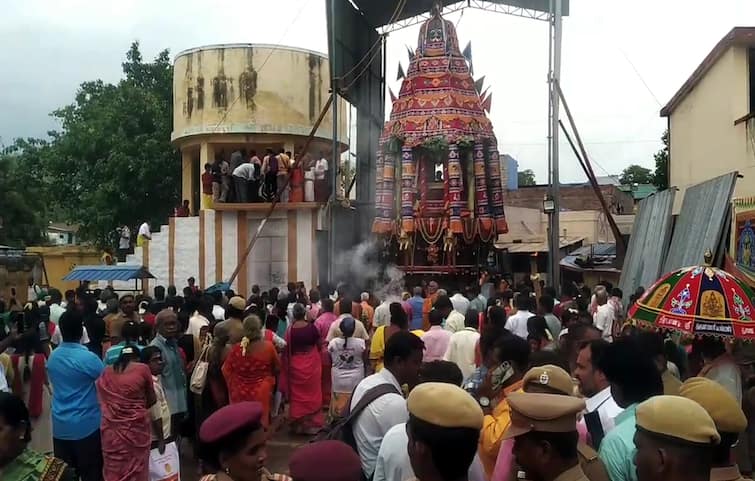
{"points": [[125, 427]]}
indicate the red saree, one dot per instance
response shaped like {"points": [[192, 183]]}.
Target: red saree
{"points": [[297, 185], [302, 376], [251, 377], [125, 428]]}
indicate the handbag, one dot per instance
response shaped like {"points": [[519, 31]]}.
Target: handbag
{"points": [[199, 374]]}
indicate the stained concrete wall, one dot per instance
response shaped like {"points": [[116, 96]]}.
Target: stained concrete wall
{"points": [[251, 89]]}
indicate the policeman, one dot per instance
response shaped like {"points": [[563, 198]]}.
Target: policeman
{"points": [[544, 429], [550, 379], [729, 418], [675, 440], [443, 430]]}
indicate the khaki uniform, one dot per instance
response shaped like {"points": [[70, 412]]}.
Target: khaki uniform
{"points": [[572, 474], [592, 467], [730, 473]]}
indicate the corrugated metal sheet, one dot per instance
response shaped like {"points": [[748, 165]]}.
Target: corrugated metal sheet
{"points": [[648, 244], [108, 273], [700, 225]]}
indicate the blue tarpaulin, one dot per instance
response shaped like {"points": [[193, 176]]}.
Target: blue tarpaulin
{"points": [[108, 273]]}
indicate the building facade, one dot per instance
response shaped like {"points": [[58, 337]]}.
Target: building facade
{"points": [[711, 119], [573, 197], [253, 97]]}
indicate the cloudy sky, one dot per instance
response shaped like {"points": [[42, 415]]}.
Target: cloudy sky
{"points": [[621, 60]]}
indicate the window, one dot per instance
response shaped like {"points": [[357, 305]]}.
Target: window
{"points": [[438, 172]]}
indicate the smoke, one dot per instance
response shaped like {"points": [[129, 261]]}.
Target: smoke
{"points": [[359, 269]]}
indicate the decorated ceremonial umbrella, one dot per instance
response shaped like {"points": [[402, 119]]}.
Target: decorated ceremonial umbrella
{"points": [[698, 301]]}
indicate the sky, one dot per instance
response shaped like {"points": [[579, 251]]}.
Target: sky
{"points": [[622, 61]]}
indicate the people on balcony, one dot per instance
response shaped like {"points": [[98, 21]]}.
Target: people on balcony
{"points": [[247, 178]]}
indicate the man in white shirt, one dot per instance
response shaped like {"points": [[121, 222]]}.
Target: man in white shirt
{"points": [[517, 323], [382, 315], [402, 360], [393, 458], [144, 234], [605, 315], [124, 242], [454, 320], [242, 176], [218, 311], [321, 179], [594, 385], [461, 348], [460, 303], [57, 336], [56, 310]]}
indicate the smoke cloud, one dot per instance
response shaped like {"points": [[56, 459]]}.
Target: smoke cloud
{"points": [[358, 269]]}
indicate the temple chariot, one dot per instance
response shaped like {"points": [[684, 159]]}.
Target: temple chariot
{"points": [[439, 196]]}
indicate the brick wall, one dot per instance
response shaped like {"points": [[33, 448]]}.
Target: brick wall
{"points": [[573, 197]]}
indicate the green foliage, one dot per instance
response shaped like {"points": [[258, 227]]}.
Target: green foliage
{"points": [[636, 174], [113, 162], [660, 176], [393, 146], [526, 177], [436, 147], [22, 194]]}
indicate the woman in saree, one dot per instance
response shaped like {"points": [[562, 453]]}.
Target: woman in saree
{"points": [[215, 396], [297, 182], [399, 322], [29, 364], [250, 368], [323, 322], [128, 402], [302, 380], [18, 462], [348, 355]]}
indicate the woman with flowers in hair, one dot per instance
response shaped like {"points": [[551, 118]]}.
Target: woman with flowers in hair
{"points": [[251, 367]]}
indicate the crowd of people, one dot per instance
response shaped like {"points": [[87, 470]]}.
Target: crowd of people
{"points": [[486, 382], [246, 176]]}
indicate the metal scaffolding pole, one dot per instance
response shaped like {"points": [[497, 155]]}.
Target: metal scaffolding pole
{"points": [[334, 156], [555, 78]]}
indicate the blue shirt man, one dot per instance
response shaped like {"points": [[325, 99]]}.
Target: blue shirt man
{"points": [[73, 370], [417, 302]]}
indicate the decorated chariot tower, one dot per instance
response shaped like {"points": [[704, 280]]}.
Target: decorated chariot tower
{"points": [[439, 200]]}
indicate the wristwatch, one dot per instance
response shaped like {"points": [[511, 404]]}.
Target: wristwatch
{"points": [[484, 402]]}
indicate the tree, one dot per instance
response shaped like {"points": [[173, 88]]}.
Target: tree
{"points": [[22, 194], [636, 174], [526, 177], [112, 161], [660, 176]]}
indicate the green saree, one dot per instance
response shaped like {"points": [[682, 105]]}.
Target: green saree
{"points": [[32, 466]]}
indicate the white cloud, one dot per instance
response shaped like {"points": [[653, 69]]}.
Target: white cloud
{"points": [[51, 47]]}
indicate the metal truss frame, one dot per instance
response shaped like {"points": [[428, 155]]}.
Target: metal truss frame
{"points": [[488, 6]]}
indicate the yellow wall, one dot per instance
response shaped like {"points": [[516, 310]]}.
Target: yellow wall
{"points": [[60, 260], [705, 143], [257, 89]]}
